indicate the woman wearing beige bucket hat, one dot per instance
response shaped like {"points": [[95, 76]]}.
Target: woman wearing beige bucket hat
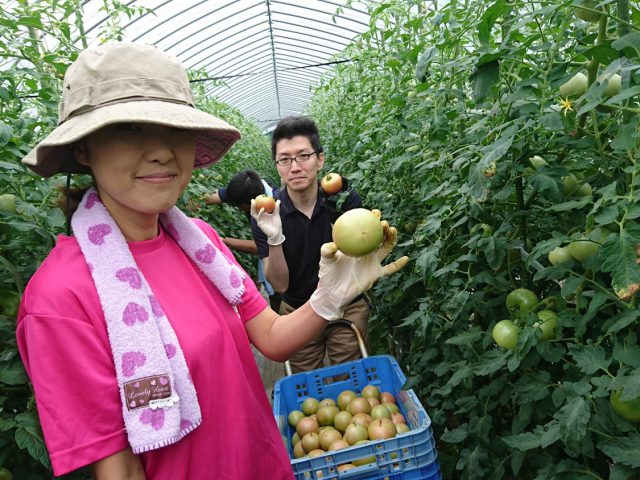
{"points": [[136, 330]]}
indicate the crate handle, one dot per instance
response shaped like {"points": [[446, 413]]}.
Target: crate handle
{"points": [[344, 323]]}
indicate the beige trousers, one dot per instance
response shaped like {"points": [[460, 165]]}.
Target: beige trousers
{"points": [[338, 342]]}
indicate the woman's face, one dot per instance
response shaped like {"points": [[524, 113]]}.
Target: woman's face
{"points": [[140, 169]]}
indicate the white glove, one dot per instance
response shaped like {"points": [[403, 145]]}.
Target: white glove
{"points": [[269, 223], [343, 278]]}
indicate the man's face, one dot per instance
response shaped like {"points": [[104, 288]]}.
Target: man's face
{"points": [[299, 176]]}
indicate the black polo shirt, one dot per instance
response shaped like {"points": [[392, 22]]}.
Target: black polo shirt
{"points": [[304, 237]]}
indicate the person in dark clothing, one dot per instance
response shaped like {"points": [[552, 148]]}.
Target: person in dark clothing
{"points": [[289, 240], [243, 187]]}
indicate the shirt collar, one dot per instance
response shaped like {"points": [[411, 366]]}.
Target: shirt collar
{"points": [[287, 206]]}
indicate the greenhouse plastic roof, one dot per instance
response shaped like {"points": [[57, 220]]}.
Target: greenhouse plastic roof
{"points": [[259, 56]]}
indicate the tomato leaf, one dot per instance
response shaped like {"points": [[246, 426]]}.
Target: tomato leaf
{"points": [[545, 185], [494, 249], [13, 373], [532, 387], [620, 472], [626, 137], [624, 450], [423, 62], [631, 388], [622, 320], [29, 436], [543, 436], [581, 322], [628, 44], [627, 353], [619, 258], [466, 338], [456, 435], [573, 418], [488, 21], [571, 205], [490, 362], [589, 359], [483, 78]]}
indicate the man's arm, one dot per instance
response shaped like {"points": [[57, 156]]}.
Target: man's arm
{"points": [[213, 198], [241, 245]]}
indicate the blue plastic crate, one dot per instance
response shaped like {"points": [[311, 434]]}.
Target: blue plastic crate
{"points": [[411, 455]]}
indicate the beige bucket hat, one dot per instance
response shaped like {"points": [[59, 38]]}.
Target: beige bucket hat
{"points": [[125, 82]]}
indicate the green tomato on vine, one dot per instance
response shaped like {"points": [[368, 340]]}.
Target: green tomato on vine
{"points": [[559, 255], [520, 302], [547, 324], [505, 334], [627, 409]]}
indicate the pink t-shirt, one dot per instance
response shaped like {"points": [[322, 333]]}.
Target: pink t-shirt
{"points": [[62, 338]]}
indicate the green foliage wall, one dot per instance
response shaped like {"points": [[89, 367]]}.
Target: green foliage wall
{"points": [[437, 120]]}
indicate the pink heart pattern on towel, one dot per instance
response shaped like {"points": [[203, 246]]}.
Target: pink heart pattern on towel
{"points": [[92, 199], [170, 350], [206, 254], [131, 276], [156, 309], [235, 279], [155, 418], [134, 313], [131, 360], [98, 232]]}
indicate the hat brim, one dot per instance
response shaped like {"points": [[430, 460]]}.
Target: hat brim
{"points": [[54, 154]]}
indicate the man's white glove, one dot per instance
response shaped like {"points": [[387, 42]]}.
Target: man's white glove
{"points": [[269, 223], [343, 278]]}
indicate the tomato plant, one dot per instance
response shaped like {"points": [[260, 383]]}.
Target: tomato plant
{"points": [[441, 95]]}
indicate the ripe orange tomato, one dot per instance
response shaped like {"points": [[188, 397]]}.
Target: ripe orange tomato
{"points": [[266, 202], [331, 183]]}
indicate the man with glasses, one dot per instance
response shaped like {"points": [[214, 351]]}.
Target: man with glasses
{"points": [[289, 239]]}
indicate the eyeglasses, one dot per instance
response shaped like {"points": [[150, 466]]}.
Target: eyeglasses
{"points": [[301, 157]]}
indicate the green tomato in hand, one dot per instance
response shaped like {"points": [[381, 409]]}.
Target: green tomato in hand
{"points": [[521, 301], [5, 474], [505, 334]]}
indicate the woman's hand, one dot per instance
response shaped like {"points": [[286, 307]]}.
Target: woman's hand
{"points": [[343, 278]]}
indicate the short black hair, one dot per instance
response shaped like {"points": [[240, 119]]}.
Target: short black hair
{"points": [[293, 126], [243, 187]]}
